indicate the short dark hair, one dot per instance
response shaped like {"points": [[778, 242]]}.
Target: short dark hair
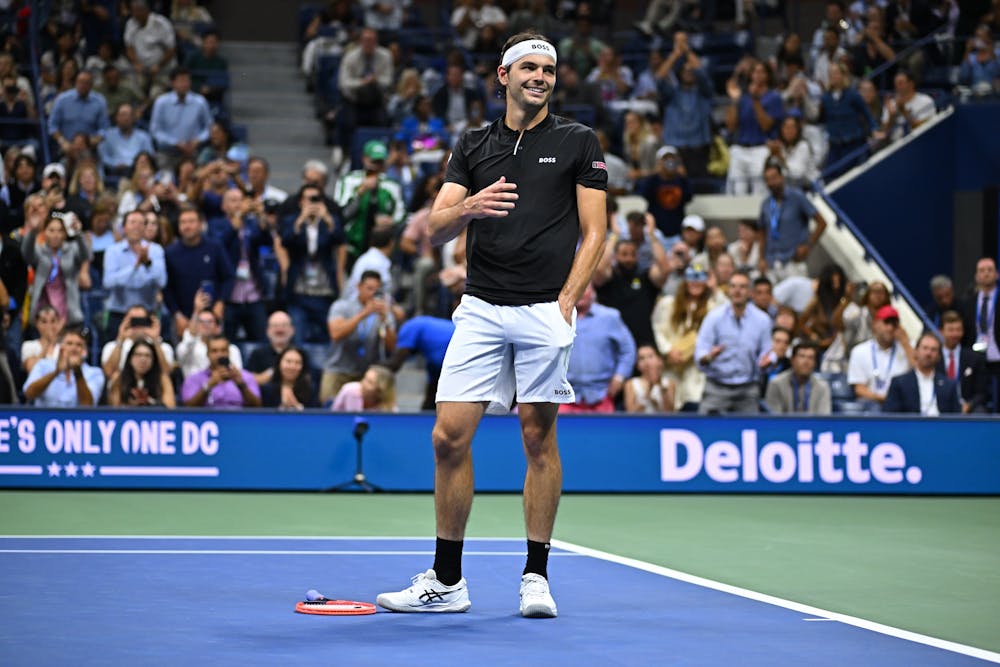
{"points": [[762, 280], [382, 236], [179, 71], [805, 345], [370, 274], [782, 330], [950, 317], [74, 330], [188, 207], [773, 164], [932, 336]]}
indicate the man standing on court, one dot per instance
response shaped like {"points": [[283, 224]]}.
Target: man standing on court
{"points": [[530, 190]]}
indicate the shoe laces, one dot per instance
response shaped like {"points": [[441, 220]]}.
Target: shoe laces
{"points": [[536, 585], [418, 578]]}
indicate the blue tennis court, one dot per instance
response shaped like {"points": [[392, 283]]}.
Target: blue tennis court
{"points": [[161, 600]]}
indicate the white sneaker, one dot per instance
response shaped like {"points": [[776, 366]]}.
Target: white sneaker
{"points": [[536, 601], [428, 594]]}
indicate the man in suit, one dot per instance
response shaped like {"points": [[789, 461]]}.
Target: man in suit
{"points": [[982, 326], [923, 390], [963, 365], [799, 389]]}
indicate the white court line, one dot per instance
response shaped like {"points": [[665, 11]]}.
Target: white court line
{"points": [[872, 626], [262, 552], [583, 551]]}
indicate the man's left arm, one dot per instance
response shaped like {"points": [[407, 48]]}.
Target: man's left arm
{"points": [[591, 204], [803, 250], [249, 390]]}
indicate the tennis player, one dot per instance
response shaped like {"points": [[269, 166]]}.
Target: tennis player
{"points": [[531, 190]]}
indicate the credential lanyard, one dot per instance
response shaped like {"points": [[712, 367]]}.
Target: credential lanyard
{"points": [[880, 382], [775, 212]]}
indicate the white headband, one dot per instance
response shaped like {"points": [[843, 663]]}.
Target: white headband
{"points": [[526, 48]]}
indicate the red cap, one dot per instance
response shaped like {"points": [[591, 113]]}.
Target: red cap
{"points": [[886, 312]]}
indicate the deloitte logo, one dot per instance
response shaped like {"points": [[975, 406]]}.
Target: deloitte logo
{"points": [[824, 460]]}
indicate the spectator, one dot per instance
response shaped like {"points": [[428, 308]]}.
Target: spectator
{"points": [[650, 391], [280, 333], [100, 236], [408, 88], [848, 120], [13, 287], [722, 269], [798, 389], [982, 326], [574, 91], [613, 79], [290, 384], [388, 15], [745, 250], [784, 223], [49, 324], [730, 341], [15, 106], [199, 274], [907, 110], [376, 258], [134, 271], [209, 70], [180, 120], [873, 50], [422, 130], [470, 17], [192, 349], [775, 360], [635, 230], [359, 327], [660, 16], [429, 337], [23, 182], [150, 46], [375, 392], [453, 101], [668, 191], [8, 67], [873, 363], [752, 118], [399, 167], [633, 293], [117, 92], [78, 111], [58, 263], [311, 236], [818, 323], [85, 186], [581, 49], [963, 365], [794, 153], [714, 247], [942, 299], [242, 238], [258, 172], [846, 32], [365, 79], [365, 193], [925, 389], [415, 241], [534, 16], [980, 66], [687, 106], [220, 140], [639, 146], [68, 382], [831, 53], [144, 380], [139, 323], [222, 384], [618, 182], [602, 357]]}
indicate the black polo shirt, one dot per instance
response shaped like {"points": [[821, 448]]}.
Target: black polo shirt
{"points": [[634, 296], [525, 257]]}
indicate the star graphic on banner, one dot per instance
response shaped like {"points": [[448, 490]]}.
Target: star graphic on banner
{"points": [[54, 469], [88, 469], [70, 469]]}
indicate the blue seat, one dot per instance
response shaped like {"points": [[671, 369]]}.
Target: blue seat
{"points": [[840, 389], [582, 113]]}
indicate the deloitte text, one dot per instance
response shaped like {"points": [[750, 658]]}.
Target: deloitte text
{"points": [[683, 457]]}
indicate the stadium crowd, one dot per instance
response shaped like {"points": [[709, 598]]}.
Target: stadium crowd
{"points": [[152, 263]]}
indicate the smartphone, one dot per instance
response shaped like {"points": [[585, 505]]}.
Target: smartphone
{"points": [[315, 199], [141, 322], [224, 361], [208, 287]]}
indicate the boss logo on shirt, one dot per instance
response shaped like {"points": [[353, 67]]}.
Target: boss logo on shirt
{"points": [[546, 160]]}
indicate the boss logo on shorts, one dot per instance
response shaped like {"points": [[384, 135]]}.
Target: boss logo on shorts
{"points": [[562, 392]]}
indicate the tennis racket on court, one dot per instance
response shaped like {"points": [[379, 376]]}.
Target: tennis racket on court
{"points": [[318, 604]]}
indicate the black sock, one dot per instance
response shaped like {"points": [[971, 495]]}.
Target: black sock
{"points": [[448, 561], [538, 559]]}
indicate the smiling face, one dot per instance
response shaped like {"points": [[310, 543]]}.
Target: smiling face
{"points": [[291, 365], [141, 359], [529, 81]]}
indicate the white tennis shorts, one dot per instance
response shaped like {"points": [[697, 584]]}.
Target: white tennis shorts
{"points": [[501, 352]]}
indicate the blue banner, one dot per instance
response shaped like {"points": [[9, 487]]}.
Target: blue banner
{"points": [[189, 449]]}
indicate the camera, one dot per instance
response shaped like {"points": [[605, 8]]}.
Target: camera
{"points": [[315, 199], [141, 322], [224, 362]]}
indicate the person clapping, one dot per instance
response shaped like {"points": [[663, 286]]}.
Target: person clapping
{"points": [[144, 380]]}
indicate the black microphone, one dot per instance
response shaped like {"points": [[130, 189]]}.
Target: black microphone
{"points": [[360, 427]]}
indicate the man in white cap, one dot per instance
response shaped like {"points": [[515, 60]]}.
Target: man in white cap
{"points": [[668, 191], [530, 190]]}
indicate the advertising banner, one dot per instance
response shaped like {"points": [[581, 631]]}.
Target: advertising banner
{"points": [[257, 449]]}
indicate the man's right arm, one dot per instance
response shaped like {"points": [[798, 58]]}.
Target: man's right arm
{"points": [[454, 209]]}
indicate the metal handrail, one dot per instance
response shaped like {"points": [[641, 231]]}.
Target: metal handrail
{"points": [[873, 255], [847, 159], [905, 53]]}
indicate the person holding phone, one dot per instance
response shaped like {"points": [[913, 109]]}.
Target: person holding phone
{"points": [[221, 385], [144, 380], [138, 323]]}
